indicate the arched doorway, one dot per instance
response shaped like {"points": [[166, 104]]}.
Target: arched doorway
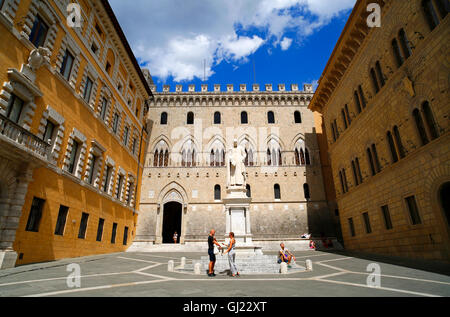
{"points": [[172, 214], [444, 200]]}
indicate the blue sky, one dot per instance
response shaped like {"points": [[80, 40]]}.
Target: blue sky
{"points": [[288, 41]]}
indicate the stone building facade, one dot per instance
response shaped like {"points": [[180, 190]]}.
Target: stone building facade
{"points": [[384, 101], [72, 117], [185, 176]]}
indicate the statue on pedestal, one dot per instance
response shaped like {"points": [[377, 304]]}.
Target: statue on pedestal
{"points": [[236, 166]]}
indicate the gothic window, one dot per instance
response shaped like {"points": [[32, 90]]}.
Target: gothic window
{"points": [[375, 158], [361, 96], [270, 117], [380, 74], [244, 117], [156, 159], [212, 158], [392, 147], [357, 172], [397, 53], [374, 80], [217, 154], [161, 156], [429, 119], [357, 102], [344, 119], [190, 118], [404, 43], [217, 118], [347, 115], [164, 118], [306, 191], [277, 191], [443, 7], [297, 117], [430, 14], [274, 153], [217, 192], [371, 163], [420, 127], [398, 141]]}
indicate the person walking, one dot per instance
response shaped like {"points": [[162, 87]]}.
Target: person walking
{"points": [[212, 257], [175, 237], [232, 255]]}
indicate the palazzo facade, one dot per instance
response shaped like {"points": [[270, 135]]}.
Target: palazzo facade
{"points": [[185, 176]]}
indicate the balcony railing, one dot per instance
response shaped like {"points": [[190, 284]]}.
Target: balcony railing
{"points": [[19, 135]]}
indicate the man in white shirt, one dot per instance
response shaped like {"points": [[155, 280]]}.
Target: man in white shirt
{"points": [[285, 255]]}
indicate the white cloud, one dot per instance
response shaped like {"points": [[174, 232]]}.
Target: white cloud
{"points": [[285, 43], [175, 37], [238, 48]]}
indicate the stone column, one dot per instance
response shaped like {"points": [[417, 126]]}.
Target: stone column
{"points": [[11, 216]]}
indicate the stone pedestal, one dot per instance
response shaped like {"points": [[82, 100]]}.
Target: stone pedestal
{"points": [[7, 259], [237, 206]]}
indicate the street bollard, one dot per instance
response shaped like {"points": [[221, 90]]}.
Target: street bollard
{"points": [[170, 266], [183, 262], [309, 266], [198, 269], [283, 268]]}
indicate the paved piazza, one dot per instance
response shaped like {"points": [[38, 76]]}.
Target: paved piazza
{"points": [[145, 274]]}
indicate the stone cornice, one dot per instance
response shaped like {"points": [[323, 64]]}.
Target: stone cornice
{"points": [[353, 36]]}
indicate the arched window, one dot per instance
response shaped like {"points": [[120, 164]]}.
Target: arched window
{"points": [[380, 73], [166, 158], [357, 102], [297, 117], [217, 117], [161, 159], [217, 193], [164, 118], [392, 147], [277, 191], [297, 157], [429, 119], [156, 158], [443, 7], [190, 118], [404, 43], [420, 127], [397, 53], [398, 140], [244, 117], [270, 117], [249, 191], [430, 14], [374, 80], [212, 158], [306, 191]]}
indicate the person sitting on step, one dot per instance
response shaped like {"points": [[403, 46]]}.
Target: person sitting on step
{"points": [[284, 255]]}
